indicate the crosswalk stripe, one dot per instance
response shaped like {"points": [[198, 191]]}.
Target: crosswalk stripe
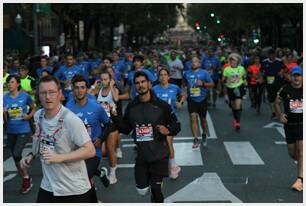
{"points": [[243, 153], [9, 177]]}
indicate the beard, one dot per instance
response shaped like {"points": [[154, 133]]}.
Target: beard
{"points": [[80, 97], [142, 91]]}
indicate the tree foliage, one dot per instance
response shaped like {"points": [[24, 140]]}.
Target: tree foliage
{"points": [[241, 19]]}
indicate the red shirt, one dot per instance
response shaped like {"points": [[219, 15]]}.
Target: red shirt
{"points": [[254, 70]]}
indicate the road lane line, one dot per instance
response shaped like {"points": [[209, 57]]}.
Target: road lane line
{"points": [[9, 177], [243, 153], [207, 188]]}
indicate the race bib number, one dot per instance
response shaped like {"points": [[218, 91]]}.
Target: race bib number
{"points": [[270, 79], [296, 106], [46, 145], [234, 79], [195, 92], [144, 133], [15, 113]]}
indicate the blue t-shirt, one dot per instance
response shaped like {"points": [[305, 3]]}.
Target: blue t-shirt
{"points": [[65, 73], [40, 70], [196, 93], [212, 66], [152, 79], [92, 115], [84, 69], [119, 70], [17, 107], [168, 94], [89, 96], [14, 71], [188, 65]]}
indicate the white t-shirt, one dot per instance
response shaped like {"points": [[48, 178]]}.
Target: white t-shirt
{"points": [[175, 73], [69, 178]]}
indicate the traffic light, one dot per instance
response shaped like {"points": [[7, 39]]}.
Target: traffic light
{"points": [[197, 25], [218, 21], [212, 14]]}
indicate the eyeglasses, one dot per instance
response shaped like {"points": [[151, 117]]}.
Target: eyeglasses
{"points": [[50, 93]]}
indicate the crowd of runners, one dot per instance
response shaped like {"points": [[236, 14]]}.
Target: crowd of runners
{"points": [[74, 109]]}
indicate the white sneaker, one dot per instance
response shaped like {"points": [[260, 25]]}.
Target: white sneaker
{"points": [[112, 179], [174, 172], [118, 153]]}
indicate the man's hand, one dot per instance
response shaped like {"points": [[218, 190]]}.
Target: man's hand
{"points": [[283, 118], [25, 161], [199, 83], [163, 130], [97, 143], [51, 156]]}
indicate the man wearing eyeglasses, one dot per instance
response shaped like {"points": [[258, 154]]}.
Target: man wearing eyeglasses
{"points": [[292, 97], [63, 144]]}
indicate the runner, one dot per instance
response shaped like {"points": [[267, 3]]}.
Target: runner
{"points": [[273, 74], [93, 116], [16, 118], [174, 96], [235, 80], [138, 61], [197, 81], [256, 83], [212, 65], [292, 97], [107, 97], [150, 130], [66, 72], [63, 143], [176, 68]]}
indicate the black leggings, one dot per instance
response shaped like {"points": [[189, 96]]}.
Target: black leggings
{"points": [[257, 91], [48, 197]]}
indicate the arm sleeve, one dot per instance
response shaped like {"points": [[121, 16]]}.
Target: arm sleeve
{"points": [[173, 125]]}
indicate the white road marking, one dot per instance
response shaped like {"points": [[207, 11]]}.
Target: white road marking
{"points": [[280, 142], [243, 153], [278, 126], [211, 128], [208, 187], [185, 156], [9, 177], [9, 164]]}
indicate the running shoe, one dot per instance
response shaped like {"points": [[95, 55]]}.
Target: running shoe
{"points": [[26, 185], [174, 172], [112, 179], [103, 177], [119, 153], [195, 143], [204, 139], [237, 126], [234, 122], [298, 185]]}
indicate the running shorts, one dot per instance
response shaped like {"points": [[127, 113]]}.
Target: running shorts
{"points": [[145, 172], [236, 93], [293, 133], [197, 107]]}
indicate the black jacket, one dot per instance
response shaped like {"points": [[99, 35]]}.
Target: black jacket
{"points": [[154, 112]]}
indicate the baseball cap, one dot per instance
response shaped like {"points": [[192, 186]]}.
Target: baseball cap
{"points": [[296, 70]]}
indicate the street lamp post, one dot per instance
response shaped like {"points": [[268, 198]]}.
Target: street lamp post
{"points": [[35, 29]]}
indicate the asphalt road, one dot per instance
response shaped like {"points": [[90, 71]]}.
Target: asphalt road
{"points": [[250, 166]]}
